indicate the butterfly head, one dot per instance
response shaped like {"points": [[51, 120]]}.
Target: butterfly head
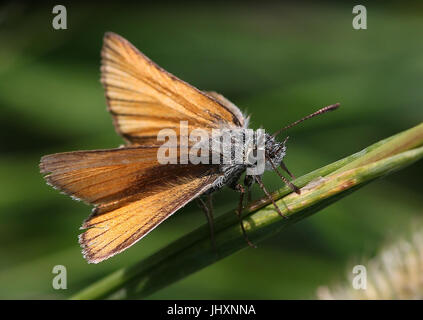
{"points": [[275, 151]]}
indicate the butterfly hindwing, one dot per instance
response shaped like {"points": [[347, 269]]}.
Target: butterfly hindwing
{"points": [[113, 231]]}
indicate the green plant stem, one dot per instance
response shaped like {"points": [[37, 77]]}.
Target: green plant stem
{"points": [[320, 188]]}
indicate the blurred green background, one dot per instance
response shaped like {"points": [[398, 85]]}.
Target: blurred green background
{"points": [[278, 62]]}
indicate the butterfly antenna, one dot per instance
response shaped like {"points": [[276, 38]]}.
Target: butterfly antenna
{"points": [[320, 111]]}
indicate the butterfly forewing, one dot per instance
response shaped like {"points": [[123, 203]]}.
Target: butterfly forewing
{"points": [[143, 98], [101, 175]]}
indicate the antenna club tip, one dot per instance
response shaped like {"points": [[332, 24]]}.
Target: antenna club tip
{"points": [[316, 113], [334, 106]]}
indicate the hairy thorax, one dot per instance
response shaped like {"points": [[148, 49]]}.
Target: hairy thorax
{"points": [[247, 149]]}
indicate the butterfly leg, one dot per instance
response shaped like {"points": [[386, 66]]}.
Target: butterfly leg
{"points": [[207, 207], [260, 183], [241, 189], [248, 182]]}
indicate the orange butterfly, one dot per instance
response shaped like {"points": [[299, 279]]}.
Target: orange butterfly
{"points": [[131, 190]]}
